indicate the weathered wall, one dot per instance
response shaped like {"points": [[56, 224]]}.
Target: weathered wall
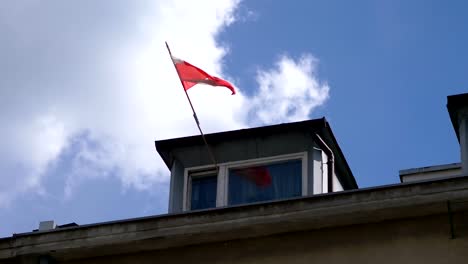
{"points": [[337, 187], [424, 176], [238, 150], [253, 148], [418, 240], [317, 176], [320, 174], [176, 188], [463, 132]]}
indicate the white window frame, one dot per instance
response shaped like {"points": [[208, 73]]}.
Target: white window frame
{"points": [[223, 174], [189, 184]]}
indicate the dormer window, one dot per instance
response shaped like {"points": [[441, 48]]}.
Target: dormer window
{"points": [[273, 180], [202, 189], [248, 181], [254, 165]]}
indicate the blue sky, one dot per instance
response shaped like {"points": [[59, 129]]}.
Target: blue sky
{"points": [[390, 66], [85, 88]]}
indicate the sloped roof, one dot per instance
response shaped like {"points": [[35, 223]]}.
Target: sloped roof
{"points": [[319, 126]]}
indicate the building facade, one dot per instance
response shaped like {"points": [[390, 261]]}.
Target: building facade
{"points": [[316, 215], [255, 165]]}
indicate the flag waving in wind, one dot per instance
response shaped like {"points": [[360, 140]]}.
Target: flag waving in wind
{"points": [[191, 75]]}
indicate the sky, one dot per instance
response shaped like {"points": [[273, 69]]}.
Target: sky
{"points": [[86, 87]]}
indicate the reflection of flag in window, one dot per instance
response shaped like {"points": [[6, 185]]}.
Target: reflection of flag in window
{"points": [[259, 175]]}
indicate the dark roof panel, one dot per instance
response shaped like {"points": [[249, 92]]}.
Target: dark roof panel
{"points": [[454, 103], [320, 126]]}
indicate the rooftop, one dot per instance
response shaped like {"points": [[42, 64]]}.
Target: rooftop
{"points": [[319, 126], [307, 213]]}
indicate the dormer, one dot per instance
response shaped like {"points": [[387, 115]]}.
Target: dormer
{"points": [[457, 106], [255, 165]]}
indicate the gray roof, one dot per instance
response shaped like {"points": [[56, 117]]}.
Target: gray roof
{"points": [[454, 103], [317, 126]]}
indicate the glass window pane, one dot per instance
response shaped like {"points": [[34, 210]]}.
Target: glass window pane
{"points": [[268, 182], [203, 192]]}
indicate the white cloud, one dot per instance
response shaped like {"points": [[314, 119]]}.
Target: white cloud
{"points": [[93, 78], [288, 92]]}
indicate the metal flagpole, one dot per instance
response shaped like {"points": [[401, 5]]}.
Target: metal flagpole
{"points": [[210, 152]]}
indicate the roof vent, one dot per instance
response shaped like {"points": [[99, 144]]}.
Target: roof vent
{"points": [[46, 225]]}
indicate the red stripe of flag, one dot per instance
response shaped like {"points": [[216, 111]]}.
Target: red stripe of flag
{"points": [[192, 75]]}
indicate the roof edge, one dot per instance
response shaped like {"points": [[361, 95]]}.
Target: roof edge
{"points": [[394, 199], [164, 146], [454, 103]]}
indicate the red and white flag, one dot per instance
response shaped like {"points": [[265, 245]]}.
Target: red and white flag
{"points": [[191, 75]]}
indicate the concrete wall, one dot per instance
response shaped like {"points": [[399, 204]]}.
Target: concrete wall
{"points": [[463, 132], [431, 172], [424, 176], [254, 148], [407, 223], [176, 188], [320, 174], [317, 171], [238, 150], [337, 187], [416, 240]]}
